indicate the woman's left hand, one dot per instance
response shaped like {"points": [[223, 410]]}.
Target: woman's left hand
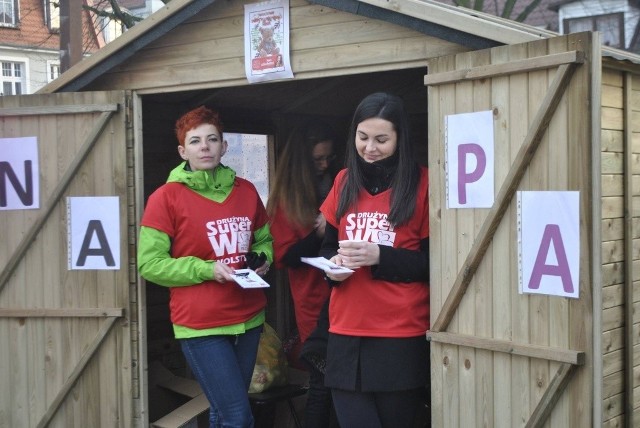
{"points": [[337, 276], [264, 269], [355, 254]]}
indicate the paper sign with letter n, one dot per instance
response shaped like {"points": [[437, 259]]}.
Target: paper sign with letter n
{"points": [[19, 174], [469, 160], [549, 243], [93, 233]]}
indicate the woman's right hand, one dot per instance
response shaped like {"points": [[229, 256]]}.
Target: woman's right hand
{"points": [[355, 254], [222, 272]]}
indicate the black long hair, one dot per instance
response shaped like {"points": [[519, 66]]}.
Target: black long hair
{"points": [[404, 183]]}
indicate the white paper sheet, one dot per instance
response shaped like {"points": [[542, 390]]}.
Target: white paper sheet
{"points": [[19, 174], [469, 145], [549, 242], [248, 278], [325, 264], [93, 232]]}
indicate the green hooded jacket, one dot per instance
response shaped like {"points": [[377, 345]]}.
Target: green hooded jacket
{"points": [[155, 263]]}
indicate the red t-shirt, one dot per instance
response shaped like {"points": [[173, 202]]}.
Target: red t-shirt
{"points": [[309, 289], [361, 305], [209, 230]]}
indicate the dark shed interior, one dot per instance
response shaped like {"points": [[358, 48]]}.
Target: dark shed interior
{"points": [[272, 109]]}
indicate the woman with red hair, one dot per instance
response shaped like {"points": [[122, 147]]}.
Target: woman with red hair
{"points": [[197, 228]]}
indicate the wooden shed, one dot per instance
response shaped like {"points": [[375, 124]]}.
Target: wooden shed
{"points": [[78, 343]]}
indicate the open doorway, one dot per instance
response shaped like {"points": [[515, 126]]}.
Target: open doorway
{"points": [[270, 110]]}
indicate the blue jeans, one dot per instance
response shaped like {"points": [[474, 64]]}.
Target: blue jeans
{"points": [[223, 366]]}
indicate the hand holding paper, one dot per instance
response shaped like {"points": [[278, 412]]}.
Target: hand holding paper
{"points": [[332, 270], [247, 278], [325, 264], [355, 254]]}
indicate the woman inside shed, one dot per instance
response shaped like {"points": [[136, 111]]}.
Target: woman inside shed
{"points": [[197, 228], [377, 217], [305, 175]]}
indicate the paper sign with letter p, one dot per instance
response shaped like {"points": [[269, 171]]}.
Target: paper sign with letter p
{"points": [[549, 243], [469, 160]]}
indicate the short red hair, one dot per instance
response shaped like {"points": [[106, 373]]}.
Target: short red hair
{"points": [[195, 118]]}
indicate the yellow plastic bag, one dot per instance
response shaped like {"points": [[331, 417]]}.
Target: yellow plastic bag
{"points": [[271, 362]]}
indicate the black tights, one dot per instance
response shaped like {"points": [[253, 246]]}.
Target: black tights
{"points": [[318, 408], [394, 409]]}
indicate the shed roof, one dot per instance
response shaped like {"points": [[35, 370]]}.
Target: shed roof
{"points": [[466, 27]]}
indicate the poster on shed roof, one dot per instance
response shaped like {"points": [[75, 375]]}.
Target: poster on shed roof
{"points": [[266, 41]]}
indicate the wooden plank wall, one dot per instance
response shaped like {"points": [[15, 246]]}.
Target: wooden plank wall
{"points": [[620, 241], [208, 50], [43, 328], [633, 132], [475, 386], [612, 246]]}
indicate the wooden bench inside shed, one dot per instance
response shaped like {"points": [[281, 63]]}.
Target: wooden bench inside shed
{"points": [[187, 413]]}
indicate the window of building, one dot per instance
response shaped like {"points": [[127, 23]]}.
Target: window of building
{"points": [[52, 15], [248, 155], [610, 26], [111, 29], [13, 78], [8, 12], [53, 70], [634, 46]]}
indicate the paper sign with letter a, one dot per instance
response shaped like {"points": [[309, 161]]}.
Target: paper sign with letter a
{"points": [[469, 160], [94, 233], [549, 243]]}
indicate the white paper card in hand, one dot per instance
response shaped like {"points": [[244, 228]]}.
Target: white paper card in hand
{"points": [[325, 264], [248, 279]]}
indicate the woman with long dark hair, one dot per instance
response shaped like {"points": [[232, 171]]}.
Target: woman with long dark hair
{"points": [[377, 217], [303, 179]]}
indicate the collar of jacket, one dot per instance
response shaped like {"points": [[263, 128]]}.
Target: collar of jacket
{"points": [[220, 178], [377, 175]]}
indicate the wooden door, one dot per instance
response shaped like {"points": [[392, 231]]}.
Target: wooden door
{"points": [[67, 357], [500, 358]]}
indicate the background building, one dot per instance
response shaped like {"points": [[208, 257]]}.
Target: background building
{"points": [[30, 38], [616, 20]]}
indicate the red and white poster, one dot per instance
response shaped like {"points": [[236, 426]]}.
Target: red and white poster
{"points": [[266, 41]]}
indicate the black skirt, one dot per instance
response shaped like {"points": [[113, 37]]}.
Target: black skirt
{"points": [[369, 364]]}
